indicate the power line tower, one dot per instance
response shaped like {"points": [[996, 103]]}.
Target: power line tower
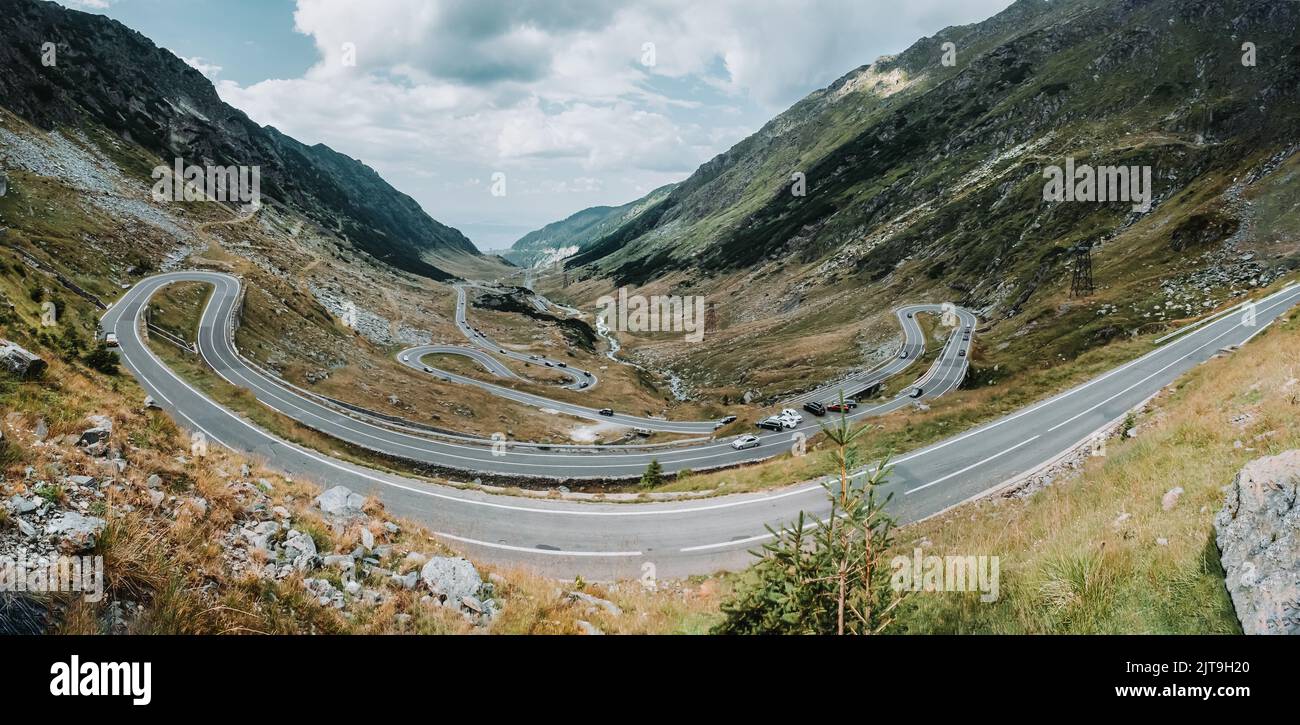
{"points": [[1081, 285]]}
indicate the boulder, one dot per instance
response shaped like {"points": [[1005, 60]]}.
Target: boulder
{"points": [[1259, 546], [75, 533], [20, 505], [300, 550], [95, 438], [259, 536], [340, 502], [19, 361], [451, 579]]}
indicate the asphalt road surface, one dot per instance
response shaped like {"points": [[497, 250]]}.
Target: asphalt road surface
{"points": [[667, 539]]}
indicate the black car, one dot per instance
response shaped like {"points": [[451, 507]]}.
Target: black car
{"points": [[770, 424], [728, 419], [815, 408], [606, 411]]}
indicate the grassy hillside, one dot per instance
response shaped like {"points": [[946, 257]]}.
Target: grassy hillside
{"points": [[1096, 551]]}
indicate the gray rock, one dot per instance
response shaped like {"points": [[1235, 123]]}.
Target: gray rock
{"points": [[75, 532], [26, 528], [367, 539], [407, 581], [20, 505], [19, 361], [154, 481], [450, 579], [340, 502], [156, 498], [1256, 531], [300, 550], [95, 439], [259, 537], [344, 562], [42, 431], [81, 480]]}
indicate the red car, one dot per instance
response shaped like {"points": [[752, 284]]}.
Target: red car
{"points": [[844, 407]]}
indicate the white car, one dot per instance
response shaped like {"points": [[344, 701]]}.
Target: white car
{"points": [[789, 418], [744, 442], [111, 339]]}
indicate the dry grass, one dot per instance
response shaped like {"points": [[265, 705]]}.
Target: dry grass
{"points": [[1070, 565]]}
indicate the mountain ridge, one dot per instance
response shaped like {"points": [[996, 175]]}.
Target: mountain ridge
{"points": [[108, 74]]}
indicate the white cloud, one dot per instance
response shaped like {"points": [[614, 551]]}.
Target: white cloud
{"points": [[554, 92], [209, 70]]}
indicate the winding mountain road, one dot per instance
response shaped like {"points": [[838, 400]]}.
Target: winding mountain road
{"points": [[670, 539]]}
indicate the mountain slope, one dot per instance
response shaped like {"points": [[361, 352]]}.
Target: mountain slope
{"points": [[908, 159], [558, 240], [111, 76]]}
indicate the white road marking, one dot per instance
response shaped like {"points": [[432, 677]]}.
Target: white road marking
{"points": [[972, 466]]}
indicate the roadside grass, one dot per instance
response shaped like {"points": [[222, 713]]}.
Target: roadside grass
{"points": [[910, 429], [1071, 562]]}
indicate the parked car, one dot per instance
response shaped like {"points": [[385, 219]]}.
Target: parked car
{"points": [[643, 432], [111, 339], [726, 419], [790, 413], [770, 424], [606, 411], [842, 407], [916, 392], [815, 408], [745, 441]]}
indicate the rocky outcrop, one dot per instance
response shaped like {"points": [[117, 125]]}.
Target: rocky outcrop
{"points": [[1258, 534], [74, 532], [341, 503], [18, 361], [455, 583]]}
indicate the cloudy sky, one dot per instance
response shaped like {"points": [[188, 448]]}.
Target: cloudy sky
{"points": [[577, 102]]}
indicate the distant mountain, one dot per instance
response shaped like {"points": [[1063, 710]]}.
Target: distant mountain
{"points": [[910, 158], [109, 75], [559, 240]]}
